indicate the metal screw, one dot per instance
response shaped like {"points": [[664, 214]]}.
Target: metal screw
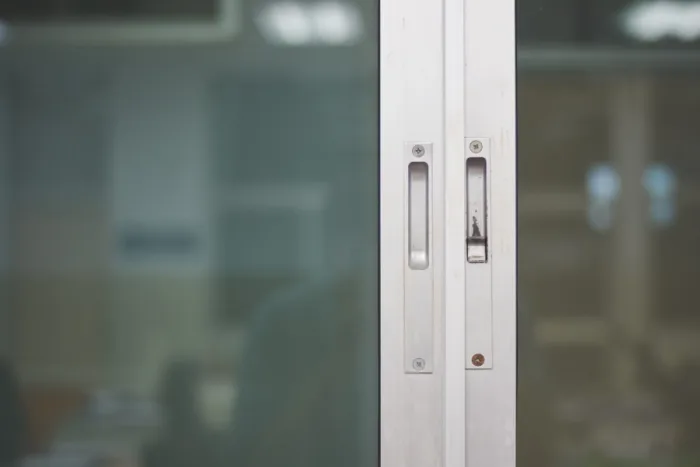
{"points": [[478, 360], [418, 150], [419, 364], [476, 147]]}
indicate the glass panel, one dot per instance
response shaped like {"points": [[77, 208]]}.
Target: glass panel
{"points": [[189, 245], [609, 346]]}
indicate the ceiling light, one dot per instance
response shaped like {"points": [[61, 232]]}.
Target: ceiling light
{"points": [[336, 23], [654, 21], [286, 23], [331, 23]]}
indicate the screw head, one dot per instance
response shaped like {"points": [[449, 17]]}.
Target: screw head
{"points": [[478, 360], [476, 147], [419, 364], [418, 150]]}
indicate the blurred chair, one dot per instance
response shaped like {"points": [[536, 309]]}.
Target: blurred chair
{"points": [[298, 403], [183, 440]]}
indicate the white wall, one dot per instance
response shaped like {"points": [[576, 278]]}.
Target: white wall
{"points": [[160, 162], [162, 303]]}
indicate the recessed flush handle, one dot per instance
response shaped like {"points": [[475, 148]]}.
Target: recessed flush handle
{"points": [[476, 210], [418, 215], [479, 262], [418, 277]]}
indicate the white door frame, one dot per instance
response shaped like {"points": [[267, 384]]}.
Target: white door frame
{"points": [[448, 75], [490, 84]]}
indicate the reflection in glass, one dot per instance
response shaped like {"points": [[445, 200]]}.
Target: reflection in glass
{"points": [[188, 245], [609, 348]]}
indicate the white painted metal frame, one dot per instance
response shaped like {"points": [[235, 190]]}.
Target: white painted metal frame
{"points": [[455, 421], [412, 110], [490, 97], [448, 74]]}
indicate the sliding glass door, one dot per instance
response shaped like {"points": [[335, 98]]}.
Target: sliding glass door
{"points": [[608, 336], [258, 233]]}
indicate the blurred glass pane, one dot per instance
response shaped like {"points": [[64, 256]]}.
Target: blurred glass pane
{"points": [[609, 347], [189, 237]]}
